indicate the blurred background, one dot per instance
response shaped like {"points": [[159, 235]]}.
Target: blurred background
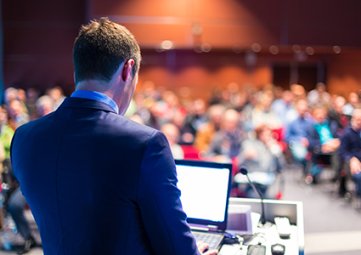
{"points": [[225, 80], [200, 44]]}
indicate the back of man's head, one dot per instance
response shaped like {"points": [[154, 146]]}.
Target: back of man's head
{"points": [[356, 119], [99, 49]]}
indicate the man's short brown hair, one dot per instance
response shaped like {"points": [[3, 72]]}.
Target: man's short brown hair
{"points": [[99, 49]]}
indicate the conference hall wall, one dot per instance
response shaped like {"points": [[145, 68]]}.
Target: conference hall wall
{"points": [[196, 44]]}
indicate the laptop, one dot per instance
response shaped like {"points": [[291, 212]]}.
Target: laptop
{"points": [[205, 189]]}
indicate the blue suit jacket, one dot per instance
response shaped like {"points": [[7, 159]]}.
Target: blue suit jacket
{"points": [[98, 183]]}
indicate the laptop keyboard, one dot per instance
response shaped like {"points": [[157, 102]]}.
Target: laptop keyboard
{"points": [[212, 239]]}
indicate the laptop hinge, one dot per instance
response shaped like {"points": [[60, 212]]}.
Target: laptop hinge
{"points": [[207, 228], [212, 228]]}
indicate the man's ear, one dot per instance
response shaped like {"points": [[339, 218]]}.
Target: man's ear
{"points": [[127, 69]]}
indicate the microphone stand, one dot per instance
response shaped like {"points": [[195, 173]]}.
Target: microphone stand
{"points": [[244, 171]]}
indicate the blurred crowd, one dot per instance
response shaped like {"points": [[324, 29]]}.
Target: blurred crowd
{"points": [[261, 130], [21, 106]]}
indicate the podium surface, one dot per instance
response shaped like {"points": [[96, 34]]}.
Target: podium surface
{"points": [[267, 234]]}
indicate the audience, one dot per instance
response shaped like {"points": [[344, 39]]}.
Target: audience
{"points": [[235, 125]]}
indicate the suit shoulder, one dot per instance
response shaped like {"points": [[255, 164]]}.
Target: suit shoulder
{"points": [[34, 124], [141, 129], [133, 129]]}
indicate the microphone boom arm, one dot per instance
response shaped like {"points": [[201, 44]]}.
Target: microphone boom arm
{"points": [[245, 172]]}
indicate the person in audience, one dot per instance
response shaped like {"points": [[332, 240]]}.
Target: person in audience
{"points": [[172, 133], [142, 108], [32, 96], [296, 135], [298, 92], [171, 106], [17, 114], [230, 95], [284, 108], [226, 143], [44, 105], [57, 95], [186, 130], [262, 113], [323, 144], [352, 102], [262, 155], [10, 94], [336, 114], [103, 184], [207, 131], [319, 95], [248, 108], [195, 118], [156, 111], [350, 149], [16, 206], [21, 95]]}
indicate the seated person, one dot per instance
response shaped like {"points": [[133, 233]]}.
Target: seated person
{"points": [[296, 134], [323, 143], [171, 132], [207, 131], [262, 113], [262, 157], [337, 115], [342, 121], [226, 143], [350, 149]]}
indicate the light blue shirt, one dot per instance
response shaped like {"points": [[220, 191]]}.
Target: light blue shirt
{"points": [[97, 96], [324, 132]]}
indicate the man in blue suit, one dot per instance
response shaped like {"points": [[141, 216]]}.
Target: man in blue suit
{"points": [[98, 183]]}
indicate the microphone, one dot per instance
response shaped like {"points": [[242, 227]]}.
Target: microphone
{"points": [[244, 171]]}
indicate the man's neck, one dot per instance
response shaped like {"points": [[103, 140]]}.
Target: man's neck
{"points": [[95, 85]]}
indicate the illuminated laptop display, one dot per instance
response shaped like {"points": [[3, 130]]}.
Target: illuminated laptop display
{"points": [[205, 188]]}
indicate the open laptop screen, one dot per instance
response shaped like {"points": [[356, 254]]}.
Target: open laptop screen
{"points": [[205, 188]]}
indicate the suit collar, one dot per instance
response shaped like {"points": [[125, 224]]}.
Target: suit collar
{"points": [[74, 102], [97, 96]]}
